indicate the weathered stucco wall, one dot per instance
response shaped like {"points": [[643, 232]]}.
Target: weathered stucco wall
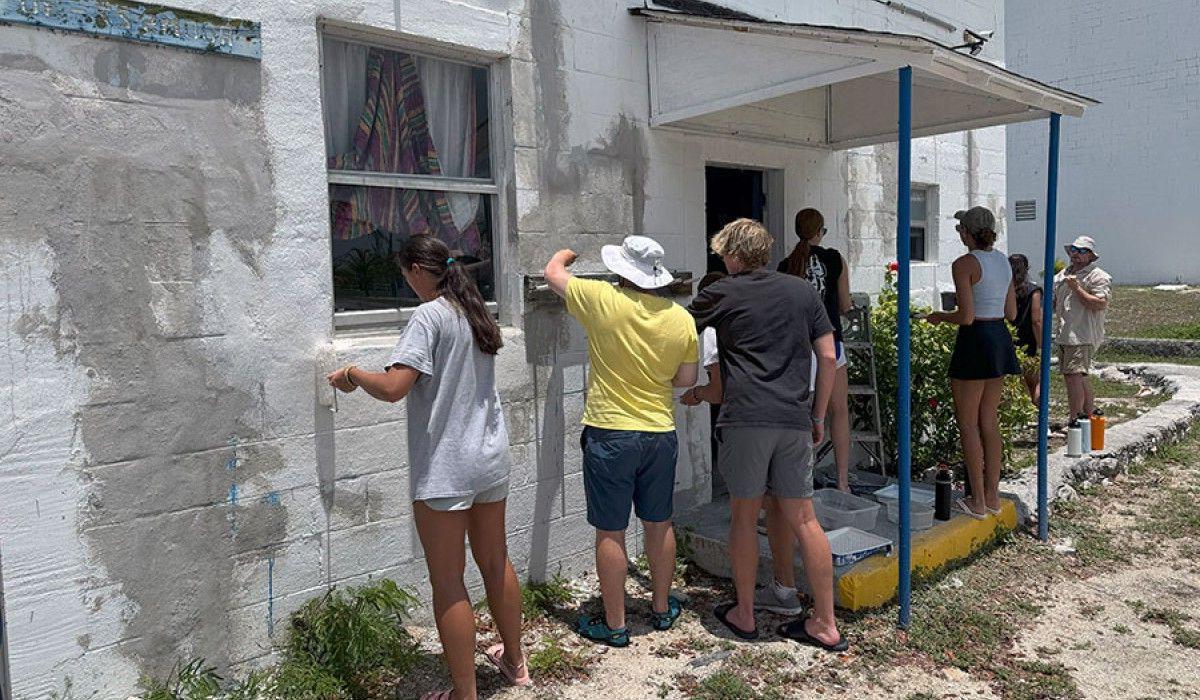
{"points": [[173, 485]]}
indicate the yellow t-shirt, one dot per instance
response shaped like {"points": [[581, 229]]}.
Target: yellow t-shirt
{"points": [[636, 343]]}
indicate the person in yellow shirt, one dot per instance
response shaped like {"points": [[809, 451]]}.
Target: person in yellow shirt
{"points": [[640, 345]]}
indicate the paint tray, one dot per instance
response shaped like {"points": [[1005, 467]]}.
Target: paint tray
{"points": [[849, 544], [918, 494]]}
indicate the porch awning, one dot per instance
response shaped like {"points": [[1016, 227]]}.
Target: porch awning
{"points": [[831, 87]]}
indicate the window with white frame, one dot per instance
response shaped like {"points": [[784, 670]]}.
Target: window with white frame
{"points": [[918, 231], [408, 153]]}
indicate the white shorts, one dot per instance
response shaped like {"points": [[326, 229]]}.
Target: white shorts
{"points": [[842, 361], [499, 492]]}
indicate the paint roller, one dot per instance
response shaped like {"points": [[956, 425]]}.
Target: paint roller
{"points": [[326, 363]]}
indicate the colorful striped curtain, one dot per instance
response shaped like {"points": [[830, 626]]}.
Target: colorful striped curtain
{"points": [[393, 137]]}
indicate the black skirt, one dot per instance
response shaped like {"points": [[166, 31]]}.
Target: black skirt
{"points": [[983, 350]]}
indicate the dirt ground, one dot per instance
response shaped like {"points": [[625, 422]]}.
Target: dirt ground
{"points": [[1109, 608]]}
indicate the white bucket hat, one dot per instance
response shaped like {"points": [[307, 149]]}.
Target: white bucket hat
{"points": [[1086, 242], [639, 260]]}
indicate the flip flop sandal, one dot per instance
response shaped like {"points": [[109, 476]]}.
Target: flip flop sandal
{"points": [[722, 611], [798, 632], [597, 630], [663, 621], [439, 695], [962, 506], [518, 676], [993, 511]]}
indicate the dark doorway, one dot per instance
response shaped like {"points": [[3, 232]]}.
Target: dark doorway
{"points": [[730, 193]]}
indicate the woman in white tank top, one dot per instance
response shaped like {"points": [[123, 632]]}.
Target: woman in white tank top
{"points": [[983, 355]]}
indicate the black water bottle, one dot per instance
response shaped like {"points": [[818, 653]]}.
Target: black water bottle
{"points": [[943, 491]]}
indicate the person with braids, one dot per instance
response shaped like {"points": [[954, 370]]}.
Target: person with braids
{"points": [[1028, 323], [445, 365], [983, 355]]}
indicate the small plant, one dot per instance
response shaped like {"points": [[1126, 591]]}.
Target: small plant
{"points": [[724, 685], [553, 660], [340, 642], [191, 681], [1121, 628], [542, 598]]}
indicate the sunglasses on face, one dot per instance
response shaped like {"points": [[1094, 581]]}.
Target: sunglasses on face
{"points": [[1078, 251]]}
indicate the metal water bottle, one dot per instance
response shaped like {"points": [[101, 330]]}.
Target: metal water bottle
{"points": [[1074, 440], [1085, 433], [1098, 424], [943, 486]]}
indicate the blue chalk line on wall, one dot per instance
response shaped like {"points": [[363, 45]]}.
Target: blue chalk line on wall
{"points": [[144, 22]]}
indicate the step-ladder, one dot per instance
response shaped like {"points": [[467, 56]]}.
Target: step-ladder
{"points": [[865, 422]]}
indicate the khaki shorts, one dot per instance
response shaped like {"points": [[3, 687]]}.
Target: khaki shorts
{"points": [[1075, 359]]}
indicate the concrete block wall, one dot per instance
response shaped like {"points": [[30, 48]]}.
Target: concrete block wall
{"points": [[1129, 170], [173, 484]]}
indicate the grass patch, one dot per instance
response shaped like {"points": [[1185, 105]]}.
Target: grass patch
{"points": [[1036, 680], [553, 660], [724, 685], [1174, 621], [1144, 312], [546, 598], [1174, 331]]}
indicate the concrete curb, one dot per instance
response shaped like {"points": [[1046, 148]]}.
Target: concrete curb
{"points": [[1126, 443], [1158, 347]]}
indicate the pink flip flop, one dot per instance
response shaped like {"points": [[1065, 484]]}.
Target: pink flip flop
{"points": [[518, 676]]}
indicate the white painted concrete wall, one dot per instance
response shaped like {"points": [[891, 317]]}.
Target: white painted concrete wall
{"points": [[1130, 169], [585, 170]]}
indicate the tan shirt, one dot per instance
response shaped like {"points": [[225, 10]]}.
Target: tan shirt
{"points": [[1074, 323]]}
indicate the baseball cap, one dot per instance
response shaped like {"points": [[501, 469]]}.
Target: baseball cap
{"points": [[976, 219]]}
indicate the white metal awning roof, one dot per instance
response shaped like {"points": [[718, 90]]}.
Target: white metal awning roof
{"points": [[831, 87]]}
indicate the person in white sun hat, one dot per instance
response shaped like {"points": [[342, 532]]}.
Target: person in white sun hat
{"points": [[640, 346], [1082, 292]]}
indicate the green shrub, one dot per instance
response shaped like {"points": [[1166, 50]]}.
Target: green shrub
{"points": [[193, 681], [934, 430], [539, 599], [340, 642]]}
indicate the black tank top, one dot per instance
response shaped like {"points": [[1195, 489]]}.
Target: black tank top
{"points": [[825, 270], [1024, 323]]}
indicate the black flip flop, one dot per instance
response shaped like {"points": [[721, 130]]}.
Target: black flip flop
{"points": [[796, 631], [722, 610]]}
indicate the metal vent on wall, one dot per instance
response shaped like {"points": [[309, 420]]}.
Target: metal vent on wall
{"points": [[1026, 209]]}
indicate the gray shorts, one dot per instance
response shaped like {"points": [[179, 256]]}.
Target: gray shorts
{"points": [[499, 492], [754, 461]]}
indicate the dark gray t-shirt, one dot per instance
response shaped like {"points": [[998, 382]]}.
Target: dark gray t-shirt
{"points": [[457, 441], [766, 322]]}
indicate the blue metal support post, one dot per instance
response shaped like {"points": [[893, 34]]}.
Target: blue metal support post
{"points": [[1047, 321], [904, 339]]}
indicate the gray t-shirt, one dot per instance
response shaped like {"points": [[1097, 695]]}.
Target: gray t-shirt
{"points": [[457, 442]]}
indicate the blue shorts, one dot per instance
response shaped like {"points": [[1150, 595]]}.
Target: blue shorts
{"points": [[628, 467]]}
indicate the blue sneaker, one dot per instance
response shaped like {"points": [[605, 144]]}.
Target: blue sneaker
{"points": [[597, 630], [663, 621]]}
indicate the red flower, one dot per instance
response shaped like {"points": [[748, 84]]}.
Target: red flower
{"points": [[933, 403], [893, 266]]}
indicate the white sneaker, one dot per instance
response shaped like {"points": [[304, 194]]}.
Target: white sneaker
{"points": [[766, 598]]}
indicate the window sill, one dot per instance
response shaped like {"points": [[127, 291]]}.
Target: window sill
{"points": [[379, 322]]}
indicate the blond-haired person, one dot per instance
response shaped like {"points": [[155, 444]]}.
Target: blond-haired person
{"points": [[768, 326]]}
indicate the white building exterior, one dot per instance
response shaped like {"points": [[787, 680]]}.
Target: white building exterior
{"points": [[173, 483], [1130, 174]]}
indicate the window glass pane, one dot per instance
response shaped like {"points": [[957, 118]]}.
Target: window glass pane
{"points": [[394, 112], [917, 207], [916, 243], [369, 225]]}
